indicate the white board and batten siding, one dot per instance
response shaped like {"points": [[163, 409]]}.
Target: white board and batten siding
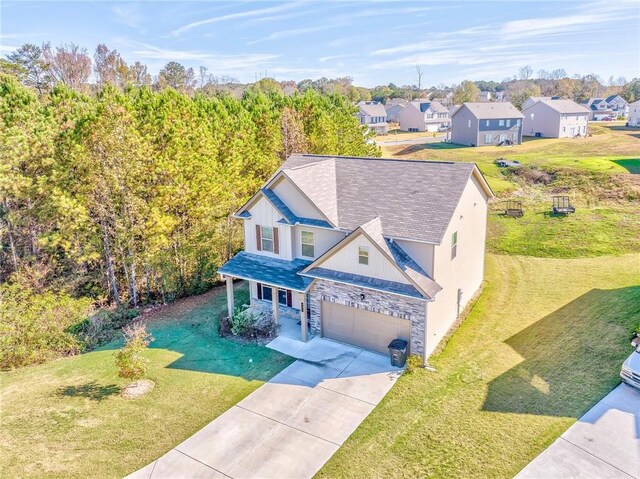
{"points": [[421, 253], [346, 260], [264, 214]]}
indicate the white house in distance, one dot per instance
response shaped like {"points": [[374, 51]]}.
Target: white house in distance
{"points": [[334, 248], [555, 119], [424, 115], [374, 116], [612, 107], [393, 107], [634, 114]]}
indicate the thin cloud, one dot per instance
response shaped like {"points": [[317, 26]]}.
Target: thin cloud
{"points": [[234, 16], [291, 33]]}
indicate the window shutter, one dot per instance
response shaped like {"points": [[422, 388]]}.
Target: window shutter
{"points": [[259, 290], [258, 238], [289, 298], [276, 246]]}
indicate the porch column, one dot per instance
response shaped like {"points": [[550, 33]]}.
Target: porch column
{"points": [[276, 305], [303, 318], [230, 301]]}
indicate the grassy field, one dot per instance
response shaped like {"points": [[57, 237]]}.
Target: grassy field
{"points": [[66, 418], [541, 346], [612, 149]]}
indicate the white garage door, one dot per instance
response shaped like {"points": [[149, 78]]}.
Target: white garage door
{"points": [[362, 328]]}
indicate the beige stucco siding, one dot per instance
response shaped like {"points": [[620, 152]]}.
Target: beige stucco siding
{"points": [[264, 214], [466, 270], [422, 253], [323, 240], [346, 260]]}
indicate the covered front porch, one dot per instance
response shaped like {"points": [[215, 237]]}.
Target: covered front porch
{"points": [[275, 288]]}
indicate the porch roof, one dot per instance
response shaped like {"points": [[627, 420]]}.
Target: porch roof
{"points": [[364, 282], [271, 271]]}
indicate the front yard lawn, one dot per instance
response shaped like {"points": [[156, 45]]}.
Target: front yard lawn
{"points": [[66, 418], [543, 344]]}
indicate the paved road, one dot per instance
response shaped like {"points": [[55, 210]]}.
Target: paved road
{"points": [[290, 426], [604, 443], [411, 141]]}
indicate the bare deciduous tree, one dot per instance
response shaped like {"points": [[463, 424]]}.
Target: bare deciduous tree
{"points": [[68, 64]]}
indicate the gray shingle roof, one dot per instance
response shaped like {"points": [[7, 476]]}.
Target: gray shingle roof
{"points": [[414, 199], [372, 108], [289, 216], [364, 281], [564, 106], [423, 106], [271, 271], [489, 110]]}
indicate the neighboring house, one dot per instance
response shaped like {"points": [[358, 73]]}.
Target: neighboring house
{"points": [[555, 119], [445, 100], [613, 106], [484, 124], [424, 115], [364, 250], [618, 105], [485, 96], [373, 115], [393, 107], [533, 99], [634, 114]]}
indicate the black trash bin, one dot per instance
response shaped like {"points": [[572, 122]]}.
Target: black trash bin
{"points": [[398, 352]]}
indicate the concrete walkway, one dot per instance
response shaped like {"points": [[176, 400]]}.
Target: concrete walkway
{"points": [[290, 426], [604, 443]]}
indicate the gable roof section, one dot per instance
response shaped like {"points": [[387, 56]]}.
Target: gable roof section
{"points": [[372, 108], [491, 111], [562, 106], [289, 217], [372, 230], [435, 106], [414, 199]]}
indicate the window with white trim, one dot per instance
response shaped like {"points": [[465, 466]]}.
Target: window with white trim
{"points": [[468, 123], [266, 238], [488, 137], [500, 122], [306, 240], [508, 123], [363, 255], [454, 245]]}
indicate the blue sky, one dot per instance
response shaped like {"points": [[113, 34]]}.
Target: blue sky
{"points": [[375, 42]]}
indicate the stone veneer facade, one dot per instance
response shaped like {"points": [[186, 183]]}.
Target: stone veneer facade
{"points": [[267, 307], [376, 301]]}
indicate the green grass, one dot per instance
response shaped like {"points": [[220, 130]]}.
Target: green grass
{"points": [[590, 231], [611, 149], [541, 346], [66, 418]]}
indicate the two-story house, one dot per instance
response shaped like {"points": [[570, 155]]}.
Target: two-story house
{"points": [[364, 250], [555, 119], [424, 115], [486, 124], [374, 116], [613, 106], [393, 107]]}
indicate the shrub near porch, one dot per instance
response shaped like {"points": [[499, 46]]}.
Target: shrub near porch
{"points": [[66, 418]]}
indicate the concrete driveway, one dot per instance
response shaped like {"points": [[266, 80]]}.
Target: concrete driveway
{"points": [[604, 443], [290, 426]]}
